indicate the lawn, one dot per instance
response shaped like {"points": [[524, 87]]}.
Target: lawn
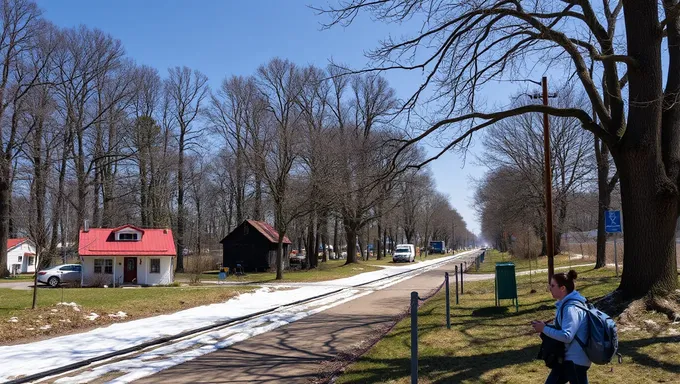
{"points": [[22, 277], [330, 270], [488, 344], [18, 323], [562, 260]]}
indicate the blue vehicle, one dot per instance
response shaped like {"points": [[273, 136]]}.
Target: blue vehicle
{"points": [[437, 247]]}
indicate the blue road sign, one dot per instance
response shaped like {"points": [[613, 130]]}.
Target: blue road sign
{"points": [[612, 222]]}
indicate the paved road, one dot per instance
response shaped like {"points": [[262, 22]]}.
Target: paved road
{"points": [[19, 285], [293, 353]]}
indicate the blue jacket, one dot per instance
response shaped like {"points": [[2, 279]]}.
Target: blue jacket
{"points": [[573, 323]]}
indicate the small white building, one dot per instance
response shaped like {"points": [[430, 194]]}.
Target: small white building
{"points": [[126, 255], [20, 256]]}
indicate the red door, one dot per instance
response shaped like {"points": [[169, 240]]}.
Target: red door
{"points": [[130, 274]]}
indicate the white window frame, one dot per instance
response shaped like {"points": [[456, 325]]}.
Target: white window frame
{"points": [[151, 261], [104, 264], [31, 261]]}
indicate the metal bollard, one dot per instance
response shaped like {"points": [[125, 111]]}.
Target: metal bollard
{"points": [[448, 305], [414, 337], [456, 273], [461, 279]]}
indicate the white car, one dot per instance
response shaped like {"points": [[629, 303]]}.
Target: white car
{"points": [[405, 253]]}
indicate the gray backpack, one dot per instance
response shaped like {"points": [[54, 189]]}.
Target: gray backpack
{"points": [[602, 342]]}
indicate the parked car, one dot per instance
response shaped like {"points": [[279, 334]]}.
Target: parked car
{"points": [[404, 252], [65, 273]]}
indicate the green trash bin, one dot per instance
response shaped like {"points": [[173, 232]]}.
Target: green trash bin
{"points": [[506, 284]]}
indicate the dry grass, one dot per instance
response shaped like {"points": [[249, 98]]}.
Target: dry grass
{"points": [[488, 344], [330, 270], [136, 303], [589, 248]]}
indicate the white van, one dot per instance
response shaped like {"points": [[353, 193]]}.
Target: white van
{"points": [[404, 252]]}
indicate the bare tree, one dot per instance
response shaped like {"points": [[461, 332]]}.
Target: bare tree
{"points": [[470, 44], [21, 70], [186, 91]]}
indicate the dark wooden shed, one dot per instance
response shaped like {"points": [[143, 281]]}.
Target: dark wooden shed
{"points": [[253, 245]]}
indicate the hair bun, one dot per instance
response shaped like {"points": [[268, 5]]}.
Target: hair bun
{"points": [[572, 275]]}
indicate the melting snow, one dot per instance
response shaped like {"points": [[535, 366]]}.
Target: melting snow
{"points": [[30, 358]]}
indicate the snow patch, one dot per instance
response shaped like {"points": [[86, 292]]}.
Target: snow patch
{"points": [[13, 320], [119, 315], [92, 317], [45, 327], [30, 358]]}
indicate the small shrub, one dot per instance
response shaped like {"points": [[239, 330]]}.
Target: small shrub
{"points": [[197, 265], [99, 280]]}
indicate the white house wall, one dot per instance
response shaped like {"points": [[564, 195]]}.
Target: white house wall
{"points": [[13, 258], [143, 275]]}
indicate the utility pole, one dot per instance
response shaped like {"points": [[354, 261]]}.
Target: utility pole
{"points": [[550, 237], [548, 185]]}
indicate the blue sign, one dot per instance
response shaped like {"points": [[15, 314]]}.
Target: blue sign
{"points": [[612, 222]]}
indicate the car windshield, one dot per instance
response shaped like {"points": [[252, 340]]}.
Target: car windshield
{"points": [[402, 249]]}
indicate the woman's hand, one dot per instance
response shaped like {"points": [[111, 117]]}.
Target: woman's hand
{"points": [[538, 326]]}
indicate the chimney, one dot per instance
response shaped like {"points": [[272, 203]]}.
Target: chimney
{"points": [[86, 226], [165, 231]]}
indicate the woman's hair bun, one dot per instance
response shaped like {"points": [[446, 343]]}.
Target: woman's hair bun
{"points": [[572, 275]]}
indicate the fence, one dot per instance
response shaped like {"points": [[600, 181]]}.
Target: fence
{"points": [[416, 302]]}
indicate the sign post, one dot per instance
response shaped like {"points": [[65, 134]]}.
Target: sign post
{"points": [[612, 224]]}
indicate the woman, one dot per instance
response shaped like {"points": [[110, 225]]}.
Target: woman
{"points": [[572, 323]]}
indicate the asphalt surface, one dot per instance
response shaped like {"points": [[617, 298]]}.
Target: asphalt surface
{"points": [[295, 353]]}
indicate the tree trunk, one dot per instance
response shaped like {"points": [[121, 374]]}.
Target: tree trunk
{"points": [[653, 224], [604, 190], [351, 235], [4, 217], [336, 245], [180, 205], [257, 214], [378, 245], [385, 242]]}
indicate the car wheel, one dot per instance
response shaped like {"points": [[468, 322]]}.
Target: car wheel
{"points": [[53, 281]]}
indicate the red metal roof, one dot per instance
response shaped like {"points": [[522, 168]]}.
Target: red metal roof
{"points": [[268, 231], [102, 242], [11, 243]]}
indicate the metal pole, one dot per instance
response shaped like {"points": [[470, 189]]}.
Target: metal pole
{"points": [[456, 273], [414, 337], [448, 305], [461, 279], [616, 258], [548, 185]]}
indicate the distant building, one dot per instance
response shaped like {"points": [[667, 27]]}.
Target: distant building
{"points": [[127, 255], [20, 256], [253, 245]]}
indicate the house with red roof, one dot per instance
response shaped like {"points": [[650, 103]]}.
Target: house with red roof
{"points": [[20, 255], [127, 255], [252, 246]]}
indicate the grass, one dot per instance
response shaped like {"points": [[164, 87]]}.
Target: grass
{"points": [[330, 270], [562, 260], [136, 303], [22, 277], [488, 344]]}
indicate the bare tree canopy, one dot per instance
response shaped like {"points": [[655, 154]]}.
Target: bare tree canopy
{"points": [[465, 46]]}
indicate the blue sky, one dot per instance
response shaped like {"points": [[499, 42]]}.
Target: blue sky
{"points": [[224, 38]]}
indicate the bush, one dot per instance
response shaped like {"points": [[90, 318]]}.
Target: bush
{"points": [[99, 280], [196, 265]]}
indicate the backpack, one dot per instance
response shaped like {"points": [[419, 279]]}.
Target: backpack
{"points": [[602, 342]]}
